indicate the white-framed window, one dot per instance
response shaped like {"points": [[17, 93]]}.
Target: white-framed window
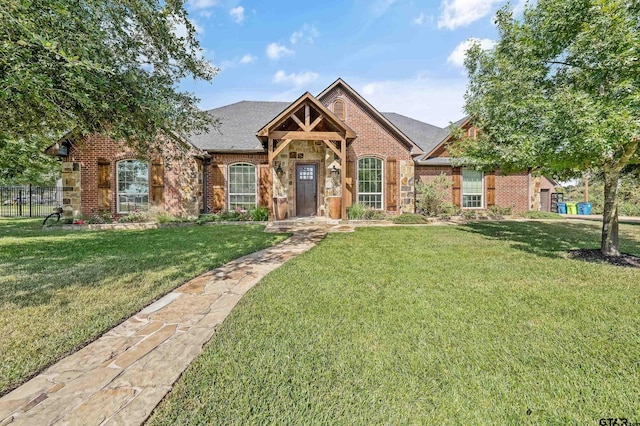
{"points": [[133, 186], [370, 179], [472, 192], [242, 186]]}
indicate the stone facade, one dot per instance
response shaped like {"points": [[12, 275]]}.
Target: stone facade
{"points": [[182, 176], [71, 188]]}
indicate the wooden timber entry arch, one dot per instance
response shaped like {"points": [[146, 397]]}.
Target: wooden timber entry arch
{"points": [[307, 119]]}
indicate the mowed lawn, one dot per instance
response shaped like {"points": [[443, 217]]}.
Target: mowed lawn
{"points": [[488, 323], [60, 290]]}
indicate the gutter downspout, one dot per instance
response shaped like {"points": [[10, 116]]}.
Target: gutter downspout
{"points": [[205, 171]]}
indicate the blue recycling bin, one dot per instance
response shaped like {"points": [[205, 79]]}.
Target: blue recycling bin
{"points": [[584, 208], [562, 208]]}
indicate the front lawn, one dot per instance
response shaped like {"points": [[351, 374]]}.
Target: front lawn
{"points": [[487, 323], [60, 290]]}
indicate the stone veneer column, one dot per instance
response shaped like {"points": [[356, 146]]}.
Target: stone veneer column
{"points": [[407, 186], [71, 195]]}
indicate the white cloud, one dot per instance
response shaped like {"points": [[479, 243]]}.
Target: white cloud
{"points": [[300, 79], [307, 33], [458, 13], [237, 13], [202, 4], [457, 56], [380, 7], [434, 101], [420, 19], [277, 51], [180, 28], [247, 59]]}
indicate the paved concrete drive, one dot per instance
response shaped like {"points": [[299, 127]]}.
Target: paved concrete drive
{"points": [[122, 376]]}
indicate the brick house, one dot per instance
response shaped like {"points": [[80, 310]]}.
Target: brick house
{"points": [[314, 156]]}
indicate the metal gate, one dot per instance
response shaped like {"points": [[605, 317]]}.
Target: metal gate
{"points": [[29, 200]]}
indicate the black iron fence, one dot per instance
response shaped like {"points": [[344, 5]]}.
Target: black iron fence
{"points": [[29, 200]]}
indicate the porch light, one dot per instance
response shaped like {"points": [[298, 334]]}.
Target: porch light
{"points": [[334, 171], [279, 170]]}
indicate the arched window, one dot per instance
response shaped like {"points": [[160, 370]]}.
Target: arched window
{"points": [[370, 182], [242, 186], [133, 186], [338, 109]]}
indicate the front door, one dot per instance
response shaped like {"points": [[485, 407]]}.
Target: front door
{"points": [[306, 189]]}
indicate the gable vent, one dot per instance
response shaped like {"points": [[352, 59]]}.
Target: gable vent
{"points": [[338, 109]]}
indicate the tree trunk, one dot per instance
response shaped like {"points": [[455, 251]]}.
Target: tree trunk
{"points": [[609, 245]]}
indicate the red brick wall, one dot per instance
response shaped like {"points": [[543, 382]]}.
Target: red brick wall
{"points": [[373, 138], [223, 160], [93, 148], [511, 190]]}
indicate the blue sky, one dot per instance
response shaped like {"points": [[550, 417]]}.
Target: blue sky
{"points": [[402, 56]]}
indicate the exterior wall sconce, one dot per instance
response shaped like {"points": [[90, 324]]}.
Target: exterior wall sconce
{"points": [[279, 171], [334, 171]]}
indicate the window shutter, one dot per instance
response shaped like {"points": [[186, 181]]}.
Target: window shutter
{"points": [[490, 183], [350, 184], [338, 109], [218, 187], [392, 185], [104, 185], [157, 184], [265, 185], [455, 189]]}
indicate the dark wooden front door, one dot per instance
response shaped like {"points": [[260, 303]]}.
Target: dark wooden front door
{"points": [[306, 189]]}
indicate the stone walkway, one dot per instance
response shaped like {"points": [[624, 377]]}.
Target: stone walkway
{"points": [[121, 377]]}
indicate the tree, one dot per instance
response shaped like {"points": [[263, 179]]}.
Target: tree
{"points": [[26, 163], [108, 66], [560, 93]]}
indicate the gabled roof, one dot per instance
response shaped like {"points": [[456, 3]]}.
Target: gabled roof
{"points": [[238, 126], [444, 137], [415, 148], [307, 98]]}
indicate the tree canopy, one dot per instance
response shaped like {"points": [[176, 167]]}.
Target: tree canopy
{"points": [[560, 93], [108, 66]]}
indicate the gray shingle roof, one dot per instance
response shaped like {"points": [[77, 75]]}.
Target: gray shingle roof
{"points": [[425, 135], [239, 123]]}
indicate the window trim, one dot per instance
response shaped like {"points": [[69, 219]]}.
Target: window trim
{"points": [[256, 183], [382, 181], [482, 191], [117, 189]]}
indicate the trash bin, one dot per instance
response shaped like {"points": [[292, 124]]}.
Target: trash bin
{"points": [[572, 208], [562, 208], [584, 208]]}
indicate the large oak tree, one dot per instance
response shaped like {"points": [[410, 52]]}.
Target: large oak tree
{"points": [[560, 93], [107, 66]]}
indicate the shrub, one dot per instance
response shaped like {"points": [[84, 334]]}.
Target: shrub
{"points": [[409, 218], [430, 196], [356, 211], [135, 216], [371, 214], [497, 211], [469, 214], [206, 218], [260, 214]]}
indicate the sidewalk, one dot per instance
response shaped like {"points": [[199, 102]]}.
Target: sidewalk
{"points": [[598, 217], [121, 377]]}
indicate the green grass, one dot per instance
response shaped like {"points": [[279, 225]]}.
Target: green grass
{"points": [[533, 214], [475, 324], [60, 290]]}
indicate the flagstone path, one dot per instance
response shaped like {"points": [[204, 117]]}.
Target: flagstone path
{"points": [[121, 377]]}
